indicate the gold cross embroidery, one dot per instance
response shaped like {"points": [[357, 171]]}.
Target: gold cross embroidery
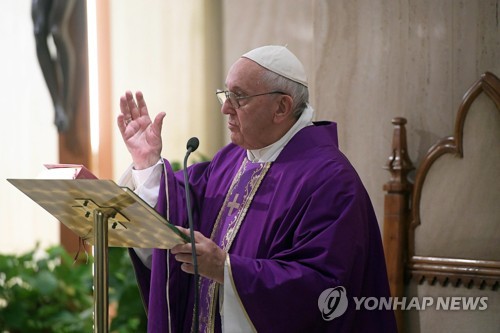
{"points": [[233, 204]]}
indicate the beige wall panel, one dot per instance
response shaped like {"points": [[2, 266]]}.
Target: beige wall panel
{"points": [[375, 60], [170, 50]]}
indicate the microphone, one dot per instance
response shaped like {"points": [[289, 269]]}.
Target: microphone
{"points": [[191, 146]]}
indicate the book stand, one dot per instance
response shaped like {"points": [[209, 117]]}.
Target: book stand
{"points": [[103, 214]]}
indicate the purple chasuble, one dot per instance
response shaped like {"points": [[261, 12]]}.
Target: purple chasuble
{"points": [[309, 227]]}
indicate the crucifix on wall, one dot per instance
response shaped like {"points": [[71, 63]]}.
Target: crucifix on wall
{"points": [[60, 32], [56, 55]]}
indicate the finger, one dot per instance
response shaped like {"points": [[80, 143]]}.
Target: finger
{"points": [[125, 109], [141, 104], [120, 120], [158, 123], [198, 237], [185, 231], [188, 268], [176, 249], [135, 111], [182, 248], [132, 106], [184, 258], [124, 106]]}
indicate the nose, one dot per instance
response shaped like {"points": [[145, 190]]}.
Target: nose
{"points": [[227, 108]]}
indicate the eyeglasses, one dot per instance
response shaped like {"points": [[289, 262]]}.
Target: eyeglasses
{"points": [[224, 95]]}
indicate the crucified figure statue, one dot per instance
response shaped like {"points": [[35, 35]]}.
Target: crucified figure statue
{"points": [[50, 20]]}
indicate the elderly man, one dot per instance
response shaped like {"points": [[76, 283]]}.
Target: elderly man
{"points": [[286, 234]]}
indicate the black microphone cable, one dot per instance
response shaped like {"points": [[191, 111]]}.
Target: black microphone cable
{"points": [[192, 145]]}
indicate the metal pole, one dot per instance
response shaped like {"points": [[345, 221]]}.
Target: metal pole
{"points": [[100, 272]]}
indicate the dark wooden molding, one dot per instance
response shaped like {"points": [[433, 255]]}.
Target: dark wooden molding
{"points": [[396, 212], [399, 163], [456, 272], [396, 207], [74, 144]]}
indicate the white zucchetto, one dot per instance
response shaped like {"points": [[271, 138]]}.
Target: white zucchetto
{"points": [[280, 60]]}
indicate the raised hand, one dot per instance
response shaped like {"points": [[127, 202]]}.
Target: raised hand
{"points": [[141, 136]]}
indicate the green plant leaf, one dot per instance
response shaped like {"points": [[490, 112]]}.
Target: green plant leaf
{"points": [[45, 282]]}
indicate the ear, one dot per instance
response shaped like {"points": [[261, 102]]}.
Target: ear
{"points": [[284, 109]]}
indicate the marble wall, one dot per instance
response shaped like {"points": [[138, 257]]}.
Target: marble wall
{"points": [[371, 60], [375, 60]]}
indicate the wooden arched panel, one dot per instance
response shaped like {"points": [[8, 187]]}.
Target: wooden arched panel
{"points": [[478, 265], [444, 256]]}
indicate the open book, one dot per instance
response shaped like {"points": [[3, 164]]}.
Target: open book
{"points": [[72, 194], [66, 171]]}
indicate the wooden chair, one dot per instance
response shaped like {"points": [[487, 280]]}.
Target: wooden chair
{"points": [[444, 228]]}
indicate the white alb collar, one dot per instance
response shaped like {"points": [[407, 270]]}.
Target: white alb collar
{"points": [[271, 152]]}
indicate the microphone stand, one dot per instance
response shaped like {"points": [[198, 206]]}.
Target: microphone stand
{"points": [[192, 145]]}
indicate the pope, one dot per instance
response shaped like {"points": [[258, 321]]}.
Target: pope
{"points": [[280, 214]]}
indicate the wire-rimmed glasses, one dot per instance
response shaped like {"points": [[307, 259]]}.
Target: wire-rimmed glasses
{"points": [[224, 95]]}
